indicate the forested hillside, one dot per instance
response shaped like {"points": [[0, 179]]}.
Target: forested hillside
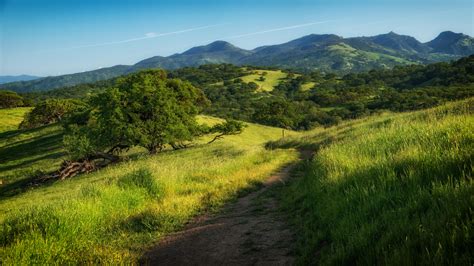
{"points": [[327, 53], [305, 100], [128, 161]]}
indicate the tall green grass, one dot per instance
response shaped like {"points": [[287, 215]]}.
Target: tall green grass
{"points": [[272, 79], [26, 153], [111, 216], [11, 118], [395, 189]]}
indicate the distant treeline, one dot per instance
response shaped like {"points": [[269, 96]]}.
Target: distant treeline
{"points": [[332, 99]]}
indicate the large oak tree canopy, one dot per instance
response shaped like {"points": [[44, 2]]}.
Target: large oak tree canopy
{"points": [[144, 109]]}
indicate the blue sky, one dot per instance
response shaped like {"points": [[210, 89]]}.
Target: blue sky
{"points": [[46, 37]]}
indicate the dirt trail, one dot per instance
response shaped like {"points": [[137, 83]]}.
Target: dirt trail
{"points": [[250, 231]]}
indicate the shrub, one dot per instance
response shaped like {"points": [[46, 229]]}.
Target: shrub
{"points": [[229, 127], [142, 178], [10, 99], [51, 111]]}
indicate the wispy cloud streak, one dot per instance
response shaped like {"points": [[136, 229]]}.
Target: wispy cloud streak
{"points": [[279, 29], [149, 35]]}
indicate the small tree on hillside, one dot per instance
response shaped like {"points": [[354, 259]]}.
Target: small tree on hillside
{"points": [[51, 111], [277, 112], [10, 99], [230, 127]]}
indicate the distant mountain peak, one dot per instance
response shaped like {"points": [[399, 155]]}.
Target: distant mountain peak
{"points": [[220, 43], [7, 79], [449, 33], [311, 38], [393, 34], [322, 52], [452, 43], [217, 46], [398, 42]]}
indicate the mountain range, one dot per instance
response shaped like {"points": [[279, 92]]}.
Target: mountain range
{"points": [[7, 79], [326, 53]]}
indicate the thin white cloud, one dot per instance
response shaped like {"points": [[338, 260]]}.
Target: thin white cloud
{"points": [[279, 29], [148, 35]]}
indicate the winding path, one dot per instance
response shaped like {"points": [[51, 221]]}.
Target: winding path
{"points": [[250, 231]]}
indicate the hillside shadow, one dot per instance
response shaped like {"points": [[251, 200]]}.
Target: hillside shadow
{"points": [[21, 153], [23, 185], [36, 146], [16, 132], [24, 163]]}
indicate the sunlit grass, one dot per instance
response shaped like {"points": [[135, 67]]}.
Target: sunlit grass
{"points": [[11, 118], [392, 189], [308, 86], [272, 79], [112, 215], [24, 153], [387, 189]]}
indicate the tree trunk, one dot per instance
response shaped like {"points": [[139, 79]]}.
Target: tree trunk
{"points": [[216, 138]]}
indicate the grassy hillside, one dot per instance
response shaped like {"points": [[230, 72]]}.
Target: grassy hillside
{"points": [[385, 189], [308, 86], [271, 79], [11, 118], [26, 153], [112, 215], [391, 189]]}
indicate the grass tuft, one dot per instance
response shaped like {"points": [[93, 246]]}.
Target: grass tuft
{"points": [[142, 179]]}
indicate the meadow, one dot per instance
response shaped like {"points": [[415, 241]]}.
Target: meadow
{"points": [[271, 79], [11, 118], [114, 214], [392, 189]]}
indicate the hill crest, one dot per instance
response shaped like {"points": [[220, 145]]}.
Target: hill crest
{"points": [[322, 52]]}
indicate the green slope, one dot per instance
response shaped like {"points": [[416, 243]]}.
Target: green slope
{"points": [[112, 215], [327, 52], [387, 189], [11, 118], [271, 78], [393, 189]]}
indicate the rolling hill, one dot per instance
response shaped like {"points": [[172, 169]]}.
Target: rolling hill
{"points": [[7, 79], [213, 53], [326, 53], [390, 187], [452, 43], [105, 206]]}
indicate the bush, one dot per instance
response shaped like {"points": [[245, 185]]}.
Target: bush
{"points": [[142, 178], [10, 99], [51, 111], [229, 127]]}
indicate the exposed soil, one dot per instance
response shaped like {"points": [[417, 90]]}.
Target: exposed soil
{"points": [[250, 231]]}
